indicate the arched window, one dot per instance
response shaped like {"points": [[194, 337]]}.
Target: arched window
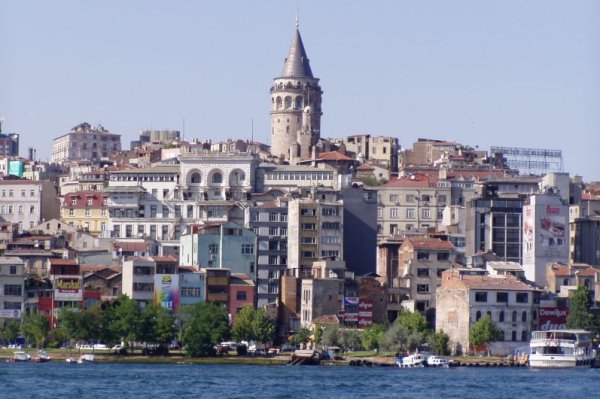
{"points": [[217, 178], [278, 103], [195, 179], [287, 129], [489, 314], [524, 335], [288, 102], [524, 316], [298, 104], [514, 317], [501, 316], [502, 335], [477, 315], [514, 336]]}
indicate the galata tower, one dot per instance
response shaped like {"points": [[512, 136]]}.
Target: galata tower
{"points": [[295, 106]]}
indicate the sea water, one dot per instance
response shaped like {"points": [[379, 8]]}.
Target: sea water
{"points": [[104, 380]]}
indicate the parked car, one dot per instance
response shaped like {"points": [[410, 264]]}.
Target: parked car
{"points": [[117, 348]]}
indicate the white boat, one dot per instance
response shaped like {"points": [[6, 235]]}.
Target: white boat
{"points": [[42, 357], [561, 349], [71, 359], [437, 361], [87, 358], [414, 360], [21, 356]]}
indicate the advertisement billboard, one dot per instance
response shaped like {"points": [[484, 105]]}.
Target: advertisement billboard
{"points": [[365, 314], [15, 168], [553, 318], [10, 313], [166, 291], [68, 288]]}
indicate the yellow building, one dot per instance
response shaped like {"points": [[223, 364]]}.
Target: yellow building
{"points": [[86, 210]]}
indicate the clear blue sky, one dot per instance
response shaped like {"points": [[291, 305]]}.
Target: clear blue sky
{"points": [[511, 73]]}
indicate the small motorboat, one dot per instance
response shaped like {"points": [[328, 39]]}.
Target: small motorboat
{"points": [[437, 361], [21, 356], [71, 359], [87, 358], [42, 357]]}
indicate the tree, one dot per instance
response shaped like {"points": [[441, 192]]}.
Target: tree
{"points": [[35, 328], [438, 342], [302, 336], [242, 329], [9, 331], [349, 338], [484, 331], [414, 321], [331, 336], [166, 329], [206, 325], [371, 337], [120, 320], [395, 338], [263, 328], [579, 315]]}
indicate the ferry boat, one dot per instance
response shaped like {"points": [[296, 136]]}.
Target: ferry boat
{"points": [[437, 361], [561, 349]]}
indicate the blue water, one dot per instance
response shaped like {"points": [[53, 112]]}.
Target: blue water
{"points": [[102, 380]]}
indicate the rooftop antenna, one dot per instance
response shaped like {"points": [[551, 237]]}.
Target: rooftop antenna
{"points": [[297, 19], [252, 132], [183, 130], [2, 119]]}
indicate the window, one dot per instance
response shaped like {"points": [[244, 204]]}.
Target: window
{"points": [[247, 248], [240, 295], [393, 213], [190, 211], [478, 315], [32, 193], [22, 193], [273, 217], [422, 288], [217, 178], [177, 211], [283, 231], [441, 200], [13, 289], [502, 297], [89, 201], [423, 272], [522, 297], [308, 254], [308, 226], [165, 232], [152, 211], [13, 269], [309, 240], [155, 192], [426, 213], [393, 197], [379, 213], [190, 291], [443, 256], [31, 209], [273, 260], [480, 296], [71, 212], [88, 212], [423, 255], [213, 249], [330, 225], [272, 231], [20, 209], [165, 211], [153, 231], [410, 198], [514, 336], [10, 209], [165, 192], [73, 202], [410, 213], [501, 316], [514, 316], [329, 211]]}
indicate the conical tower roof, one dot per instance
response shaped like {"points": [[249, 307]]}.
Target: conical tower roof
{"points": [[296, 65]]}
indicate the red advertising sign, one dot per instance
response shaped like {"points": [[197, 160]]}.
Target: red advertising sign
{"points": [[365, 313], [553, 318]]}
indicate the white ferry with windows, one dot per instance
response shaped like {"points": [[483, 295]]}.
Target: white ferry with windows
{"points": [[561, 349]]}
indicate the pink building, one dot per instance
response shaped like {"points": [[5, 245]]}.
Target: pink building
{"points": [[242, 291]]}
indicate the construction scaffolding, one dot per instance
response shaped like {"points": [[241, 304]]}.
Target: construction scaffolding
{"points": [[530, 160]]}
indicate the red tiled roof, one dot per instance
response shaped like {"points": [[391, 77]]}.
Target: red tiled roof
{"points": [[430, 243], [326, 319], [164, 259], [333, 156], [591, 272], [416, 180], [507, 283], [365, 166], [132, 246], [561, 271]]}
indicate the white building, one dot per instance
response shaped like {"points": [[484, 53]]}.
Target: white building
{"points": [[138, 280], [12, 284], [85, 142], [28, 203]]}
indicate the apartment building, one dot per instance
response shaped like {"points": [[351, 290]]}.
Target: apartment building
{"points": [[411, 203], [12, 284], [269, 220], [85, 142], [315, 231], [28, 203], [138, 280], [86, 210]]}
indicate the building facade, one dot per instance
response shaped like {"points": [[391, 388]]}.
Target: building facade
{"points": [[85, 142], [87, 210], [28, 203]]}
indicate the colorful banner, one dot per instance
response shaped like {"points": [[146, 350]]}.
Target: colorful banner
{"points": [[166, 291], [365, 314], [10, 313], [351, 300]]}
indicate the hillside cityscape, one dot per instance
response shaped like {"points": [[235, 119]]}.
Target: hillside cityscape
{"points": [[286, 241]]}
